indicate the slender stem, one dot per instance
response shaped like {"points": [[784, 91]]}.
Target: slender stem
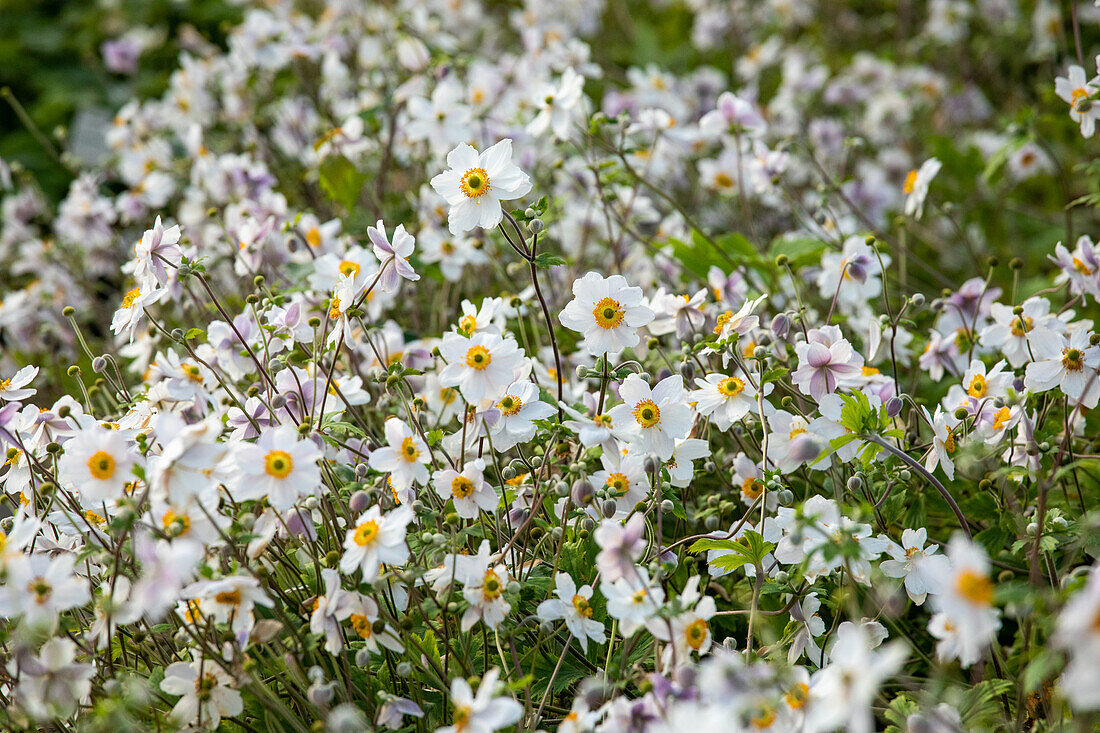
{"points": [[923, 472]]}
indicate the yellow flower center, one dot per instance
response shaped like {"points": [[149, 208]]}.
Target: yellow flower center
{"points": [[102, 465], [949, 442], [763, 718], [870, 371], [1073, 359], [978, 386], [474, 183], [696, 633], [40, 589], [510, 405], [191, 372], [366, 533], [313, 237], [618, 483], [797, 696], [349, 268], [608, 313], [910, 182], [796, 430], [361, 624], [751, 487], [974, 587], [722, 320], [461, 717], [1000, 418], [174, 524], [478, 357], [647, 413], [192, 612], [731, 386], [468, 324], [334, 308], [1078, 97], [229, 597], [462, 487], [1081, 267], [491, 587], [278, 464], [409, 451], [130, 297], [1021, 325], [583, 607], [723, 179]]}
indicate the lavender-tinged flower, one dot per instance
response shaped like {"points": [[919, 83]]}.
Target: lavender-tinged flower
{"points": [[620, 547], [393, 255], [824, 363]]}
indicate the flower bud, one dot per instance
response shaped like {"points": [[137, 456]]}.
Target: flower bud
{"points": [[608, 509], [582, 492], [893, 406], [99, 365], [781, 326], [359, 502]]}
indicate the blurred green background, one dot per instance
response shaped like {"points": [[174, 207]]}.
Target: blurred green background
{"points": [[51, 60]]}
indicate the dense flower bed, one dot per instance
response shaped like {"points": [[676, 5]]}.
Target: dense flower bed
{"points": [[431, 368]]}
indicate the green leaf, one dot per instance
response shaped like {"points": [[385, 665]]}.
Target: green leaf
{"points": [[774, 375], [800, 252], [1041, 668], [545, 260], [729, 562], [714, 544], [842, 440], [341, 180]]}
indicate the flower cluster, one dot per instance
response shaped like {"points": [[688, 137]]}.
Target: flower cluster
{"points": [[455, 381]]}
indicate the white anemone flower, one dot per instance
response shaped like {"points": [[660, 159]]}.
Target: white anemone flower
{"points": [[475, 184], [607, 311]]}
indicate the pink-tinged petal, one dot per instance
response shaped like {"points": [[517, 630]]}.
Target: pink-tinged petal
{"points": [[819, 384]]}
